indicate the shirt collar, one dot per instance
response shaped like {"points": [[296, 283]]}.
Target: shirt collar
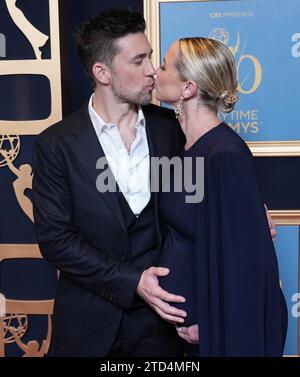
{"points": [[100, 125]]}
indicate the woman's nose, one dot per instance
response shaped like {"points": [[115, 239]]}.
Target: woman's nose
{"points": [[157, 72]]}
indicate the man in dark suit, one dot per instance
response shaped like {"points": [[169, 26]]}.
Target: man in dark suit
{"points": [[105, 244]]}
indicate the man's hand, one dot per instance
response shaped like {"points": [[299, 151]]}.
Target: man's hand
{"points": [[190, 334], [150, 291], [272, 225]]}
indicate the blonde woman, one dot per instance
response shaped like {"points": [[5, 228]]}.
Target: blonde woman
{"points": [[219, 251]]}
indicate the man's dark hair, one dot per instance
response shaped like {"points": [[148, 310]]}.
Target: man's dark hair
{"points": [[96, 39]]}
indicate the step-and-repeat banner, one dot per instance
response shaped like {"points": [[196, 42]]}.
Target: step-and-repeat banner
{"points": [[30, 101], [264, 37]]}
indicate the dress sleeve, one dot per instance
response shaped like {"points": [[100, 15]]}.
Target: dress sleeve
{"points": [[239, 301]]}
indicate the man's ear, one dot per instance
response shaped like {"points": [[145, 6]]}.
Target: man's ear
{"points": [[101, 73], [190, 89]]}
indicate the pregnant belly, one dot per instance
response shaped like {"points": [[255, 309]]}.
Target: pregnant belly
{"points": [[178, 257]]}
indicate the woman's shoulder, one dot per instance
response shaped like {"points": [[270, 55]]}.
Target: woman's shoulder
{"points": [[226, 141]]}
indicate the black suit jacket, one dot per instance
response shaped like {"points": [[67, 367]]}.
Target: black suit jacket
{"points": [[82, 233]]}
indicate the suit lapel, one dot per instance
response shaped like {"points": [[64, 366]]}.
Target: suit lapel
{"points": [[152, 139], [88, 150]]}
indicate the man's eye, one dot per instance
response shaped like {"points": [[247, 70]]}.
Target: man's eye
{"points": [[162, 67], [138, 62]]}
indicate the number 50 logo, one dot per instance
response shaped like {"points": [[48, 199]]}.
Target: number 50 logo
{"points": [[222, 35]]}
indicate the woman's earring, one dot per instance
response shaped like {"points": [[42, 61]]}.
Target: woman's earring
{"points": [[179, 109]]}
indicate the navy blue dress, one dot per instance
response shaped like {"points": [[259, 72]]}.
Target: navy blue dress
{"points": [[221, 255]]}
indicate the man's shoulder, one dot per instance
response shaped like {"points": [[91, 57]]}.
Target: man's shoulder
{"points": [[65, 127]]}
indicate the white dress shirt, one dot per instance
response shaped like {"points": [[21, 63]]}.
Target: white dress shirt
{"points": [[130, 169]]}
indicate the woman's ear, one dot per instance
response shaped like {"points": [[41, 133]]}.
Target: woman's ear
{"points": [[101, 73], [190, 89]]}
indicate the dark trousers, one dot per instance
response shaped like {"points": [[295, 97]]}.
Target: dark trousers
{"points": [[142, 333]]}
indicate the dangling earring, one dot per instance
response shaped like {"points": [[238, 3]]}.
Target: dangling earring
{"points": [[179, 109]]}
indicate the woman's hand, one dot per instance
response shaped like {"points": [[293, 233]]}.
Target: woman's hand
{"points": [[190, 334]]}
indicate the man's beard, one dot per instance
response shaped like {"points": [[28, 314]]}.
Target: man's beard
{"points": [[123, 96]]}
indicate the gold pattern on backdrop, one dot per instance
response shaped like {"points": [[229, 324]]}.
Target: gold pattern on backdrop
{"points": [[11, 144], [13, 327], [15, 315], [14, 322], [35, 37], [32, 348], [49, 68], [22, 183], [23, 173]]}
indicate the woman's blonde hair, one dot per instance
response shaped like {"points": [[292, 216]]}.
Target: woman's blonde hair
{"points": [[211, 65]]}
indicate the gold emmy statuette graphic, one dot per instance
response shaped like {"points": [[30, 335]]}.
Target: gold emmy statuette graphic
{"points": [[14, 322], [13, 142], [35, 37], [50, 68], [32, 348], [23, 173]]}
